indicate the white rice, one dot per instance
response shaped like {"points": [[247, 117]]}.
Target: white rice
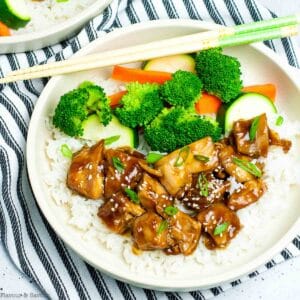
{"points": [[46, 13], [282, 171]]}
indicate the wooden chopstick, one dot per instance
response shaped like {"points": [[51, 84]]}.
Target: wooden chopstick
{"points": [[223, 37], [221, 32]]}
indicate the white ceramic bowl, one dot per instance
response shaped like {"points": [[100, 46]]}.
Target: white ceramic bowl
{"points": [[259, 65], [54, 34]]}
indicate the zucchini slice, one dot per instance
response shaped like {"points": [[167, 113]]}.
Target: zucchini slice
{"points": [[246, 107], [14, 13], [171, 64], [93, 130]]}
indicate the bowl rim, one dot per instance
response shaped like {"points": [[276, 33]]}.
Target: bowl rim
{"points": [[64, 26], [157, 284]]}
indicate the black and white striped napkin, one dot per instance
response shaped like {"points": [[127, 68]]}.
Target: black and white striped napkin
{"points": [[27, 237]]}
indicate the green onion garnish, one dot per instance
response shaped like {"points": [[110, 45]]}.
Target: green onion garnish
{"points": [[182, 156], [118, 164], [58, 1], [220, 228], [111, 139], [279, 121], [66, 151], [253, 128], [248, 166], [171, 210], [153, 157], [132, 195], [201, 158], [162, 227], [203, 185]]}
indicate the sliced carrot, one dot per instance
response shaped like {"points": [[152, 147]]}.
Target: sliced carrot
{"points": [[208, 104], [116, 98], [141, 76], [4, 30], [268, 90]]}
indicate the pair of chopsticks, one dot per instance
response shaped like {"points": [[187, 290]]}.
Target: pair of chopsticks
{"points": [[223, 37]]}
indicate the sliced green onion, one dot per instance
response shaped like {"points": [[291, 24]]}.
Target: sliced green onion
{"points": [[111, 139], [118, 164], [132, 195], [248, 166], [171, 210], [201, 158], [279, 121], [182, 156], [253, 128], [153, 157], [162, 227], [220, 228], [203, 185], [66, 151], [58, 1]]}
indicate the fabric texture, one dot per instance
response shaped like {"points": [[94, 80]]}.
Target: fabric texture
{"points": [[27, 237]]}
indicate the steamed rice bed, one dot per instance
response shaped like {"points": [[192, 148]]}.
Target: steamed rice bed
{"points": [[47, 13], [282, 172]]}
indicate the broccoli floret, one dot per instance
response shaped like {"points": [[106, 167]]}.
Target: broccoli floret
{"points": [[98, 103], [159, 134], [86, 83], [184, 89], [75, 106], [220, 74], [140, 105], [176, 127]]}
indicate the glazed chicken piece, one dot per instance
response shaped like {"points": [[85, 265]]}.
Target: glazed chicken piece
{"points": [[173, 177], [144, 165], [277, 141], [152, 194], [184, 234], [260, 144], [177, 167], [205, 190], [149, 233], [250, 193], [226, 155], [85, 175], [119, 212], [200, 151], [122, 170], [131, 151], [220, 225], [220, 173]]}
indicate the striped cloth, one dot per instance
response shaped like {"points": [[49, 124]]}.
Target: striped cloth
{"points": [[27, 237]]}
